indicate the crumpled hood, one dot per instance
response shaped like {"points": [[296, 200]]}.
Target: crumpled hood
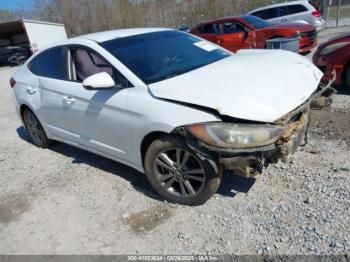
{"points": [[257, 85]]}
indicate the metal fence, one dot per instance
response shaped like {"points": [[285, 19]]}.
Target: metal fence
{"points": [[336, 12]]}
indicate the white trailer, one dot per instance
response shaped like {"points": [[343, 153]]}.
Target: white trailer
{"points": [[28, 35]]}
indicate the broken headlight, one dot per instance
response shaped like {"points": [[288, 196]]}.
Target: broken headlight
{"points": [[227, 135]]}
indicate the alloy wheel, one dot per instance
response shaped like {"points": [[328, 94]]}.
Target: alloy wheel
{"points": [[179, 172]]}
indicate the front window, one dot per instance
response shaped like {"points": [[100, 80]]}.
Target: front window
{"points": [[256, 22], [161, 55]]}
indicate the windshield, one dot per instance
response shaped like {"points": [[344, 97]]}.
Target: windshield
{"points": [[161, 55], [256, 22]]}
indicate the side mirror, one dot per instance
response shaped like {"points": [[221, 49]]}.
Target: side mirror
{"points": [[241, 35], [99, 81]]}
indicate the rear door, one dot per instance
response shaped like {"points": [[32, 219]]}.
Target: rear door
{"points": [[51, 70], [272, 15]]}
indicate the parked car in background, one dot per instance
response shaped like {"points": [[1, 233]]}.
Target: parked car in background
{"points": [[245, 32], [184, 29], [169, 104], [335, 54], [290, 12]]}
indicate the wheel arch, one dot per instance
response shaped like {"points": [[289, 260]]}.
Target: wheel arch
{"points": [[22, 108], [148, 140]]}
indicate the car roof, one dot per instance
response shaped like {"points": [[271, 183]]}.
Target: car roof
{"points": [[109, 35], [302, 2], [238, 17]]}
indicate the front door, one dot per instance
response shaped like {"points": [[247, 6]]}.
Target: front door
{"points": [[234, 37]]}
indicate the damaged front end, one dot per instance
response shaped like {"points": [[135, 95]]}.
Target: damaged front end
{"points": [[246, 148]]}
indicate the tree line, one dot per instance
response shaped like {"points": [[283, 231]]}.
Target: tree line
{"points": [[86, 16]]}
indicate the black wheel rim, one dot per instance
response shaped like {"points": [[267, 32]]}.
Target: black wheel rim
{"points": [[34, 128], [179, 172]]}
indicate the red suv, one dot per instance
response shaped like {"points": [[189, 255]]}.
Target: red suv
{"points": [[242, 32]]}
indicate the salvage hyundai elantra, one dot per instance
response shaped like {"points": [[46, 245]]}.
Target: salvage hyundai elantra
{"points": [[176, 107]]}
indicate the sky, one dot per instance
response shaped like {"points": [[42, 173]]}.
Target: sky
{"points": [[13, 4]]}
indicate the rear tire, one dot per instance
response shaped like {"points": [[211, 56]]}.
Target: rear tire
{"points": [[35, 130], [179, 174]]}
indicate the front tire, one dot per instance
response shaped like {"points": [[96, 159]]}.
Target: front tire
{"points": [[35, 130], [179, 174]]}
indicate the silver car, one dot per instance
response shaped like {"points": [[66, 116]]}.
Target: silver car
{"points": [[169, 104], [294, 11]]}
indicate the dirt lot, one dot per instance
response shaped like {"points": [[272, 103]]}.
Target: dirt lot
{"points": [[63, 200]]}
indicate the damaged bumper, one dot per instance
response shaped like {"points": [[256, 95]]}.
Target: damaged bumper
{"points": [[249, 162]]}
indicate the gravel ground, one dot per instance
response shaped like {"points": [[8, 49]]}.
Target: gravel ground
{"points": [[63, 200]]}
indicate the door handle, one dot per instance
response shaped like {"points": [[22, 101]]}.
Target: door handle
{"points": [[31, 90], [68, 99]]}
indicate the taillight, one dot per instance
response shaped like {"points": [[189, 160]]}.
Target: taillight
{"points": [[316, 13], [12, 82]]}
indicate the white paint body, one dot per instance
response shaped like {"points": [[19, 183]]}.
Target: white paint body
{"points": [[253, 85]]}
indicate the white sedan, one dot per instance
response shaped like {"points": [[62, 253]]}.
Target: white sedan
{"points": [[169, 104]]}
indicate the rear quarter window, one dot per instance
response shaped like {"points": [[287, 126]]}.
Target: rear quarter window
{"points": [[50, 63], [295, 9]]}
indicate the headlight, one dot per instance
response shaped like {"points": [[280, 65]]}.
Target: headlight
{"points": [[331, 48], [227, 135]]}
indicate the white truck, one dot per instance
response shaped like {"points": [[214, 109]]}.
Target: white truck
{"points": [[22, 38]]}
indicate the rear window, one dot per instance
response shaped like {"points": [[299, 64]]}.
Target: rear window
{"points": [[49, 63], [294, 9]]}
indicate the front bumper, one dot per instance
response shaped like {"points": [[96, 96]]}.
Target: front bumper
{"points": [[250, 162]]}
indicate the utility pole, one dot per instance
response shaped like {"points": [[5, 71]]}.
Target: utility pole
{"points": [[338, 13]]}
